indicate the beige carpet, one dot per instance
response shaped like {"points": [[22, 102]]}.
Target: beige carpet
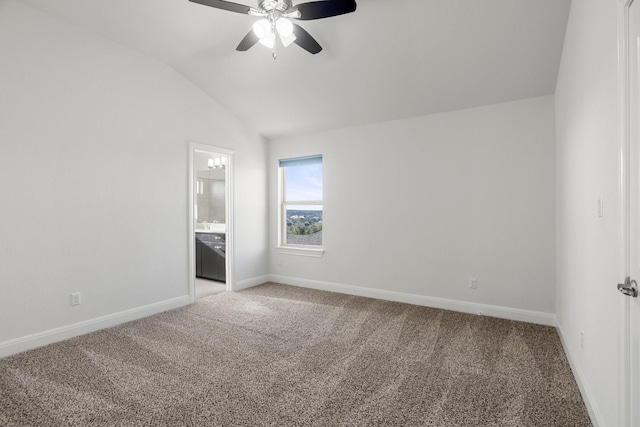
{"points": [[282, 356]]}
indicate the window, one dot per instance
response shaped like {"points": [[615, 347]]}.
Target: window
{"points": [[301, 203]]}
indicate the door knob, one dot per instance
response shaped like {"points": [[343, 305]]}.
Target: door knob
{"points": [[629, 287]]}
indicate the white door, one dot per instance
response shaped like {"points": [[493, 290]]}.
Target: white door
{"points": [[633, 182]]}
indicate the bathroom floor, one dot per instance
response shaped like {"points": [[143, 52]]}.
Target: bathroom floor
{"points": [[206, 287]]}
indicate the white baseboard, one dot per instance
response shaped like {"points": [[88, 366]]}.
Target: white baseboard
{"points": [[250, 283], [594, 413], [40, 339], [541, 318]]}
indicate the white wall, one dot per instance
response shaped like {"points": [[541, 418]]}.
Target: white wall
{"points": [[417, 206], [589, 248], [94, 177]]}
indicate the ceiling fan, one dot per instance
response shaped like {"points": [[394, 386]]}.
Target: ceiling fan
{"points": [[276, 22]]}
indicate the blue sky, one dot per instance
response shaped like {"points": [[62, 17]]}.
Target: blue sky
{"points": [[304, 183]]}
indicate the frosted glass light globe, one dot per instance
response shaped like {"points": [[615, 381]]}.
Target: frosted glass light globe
{"points": [[261, 28], [284, 27], [269, 40]]}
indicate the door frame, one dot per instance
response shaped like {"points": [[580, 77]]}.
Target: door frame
{"points": [[196, 147], [624, 87]]}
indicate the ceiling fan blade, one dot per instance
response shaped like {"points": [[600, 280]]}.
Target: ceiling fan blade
{"points": [[325, 8], [305, 41], [225, 5], [248, 41]]}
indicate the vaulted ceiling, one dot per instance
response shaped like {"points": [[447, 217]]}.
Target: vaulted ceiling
{"points": [[390, 59]]}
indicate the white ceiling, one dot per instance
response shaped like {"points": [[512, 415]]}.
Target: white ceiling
{"points": [[390, 59]]}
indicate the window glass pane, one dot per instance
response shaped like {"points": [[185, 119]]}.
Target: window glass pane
{"points": [[304, 225], [303, 182]]}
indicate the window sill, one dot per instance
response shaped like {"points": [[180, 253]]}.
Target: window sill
{"points": [[301, 251]]}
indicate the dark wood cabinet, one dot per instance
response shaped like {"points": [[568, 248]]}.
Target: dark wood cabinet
{"points": [[198, 258], [211, 256]]}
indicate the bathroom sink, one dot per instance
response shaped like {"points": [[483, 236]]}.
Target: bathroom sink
{"points": [[218, 228], [211, 228]]}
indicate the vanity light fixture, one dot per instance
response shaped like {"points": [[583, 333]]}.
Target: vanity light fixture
{"points": [[217, 163]]}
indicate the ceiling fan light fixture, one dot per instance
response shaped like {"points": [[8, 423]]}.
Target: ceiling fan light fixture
{"points": [[262, 28], [284, 27], [269, 40], [286, 41], [276, 22]]}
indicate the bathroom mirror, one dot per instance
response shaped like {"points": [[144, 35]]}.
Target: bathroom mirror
{"points": [[210, 191]]}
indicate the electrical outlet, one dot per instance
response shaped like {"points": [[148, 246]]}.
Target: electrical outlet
{"points": [[581, 339], [473, 283], [75, 298]]}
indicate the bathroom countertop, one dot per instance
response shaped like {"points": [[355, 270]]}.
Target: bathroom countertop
{"points": [[212, 228]]}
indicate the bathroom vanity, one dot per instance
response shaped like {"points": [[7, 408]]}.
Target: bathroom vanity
{"points": [[211, 255]]}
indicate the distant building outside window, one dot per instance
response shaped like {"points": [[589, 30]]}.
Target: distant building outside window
{"points": [[301, 204]]}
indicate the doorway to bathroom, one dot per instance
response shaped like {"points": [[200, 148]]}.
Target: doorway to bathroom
{"points": [[210, 220]]}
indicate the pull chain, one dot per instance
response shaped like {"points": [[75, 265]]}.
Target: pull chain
{"points": [[274, 53]]}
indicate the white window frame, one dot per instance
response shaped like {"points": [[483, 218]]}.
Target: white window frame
{"points": [[289, 248]]}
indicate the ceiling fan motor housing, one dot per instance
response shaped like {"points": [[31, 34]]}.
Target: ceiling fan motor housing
{"points": [[274, 5]]}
